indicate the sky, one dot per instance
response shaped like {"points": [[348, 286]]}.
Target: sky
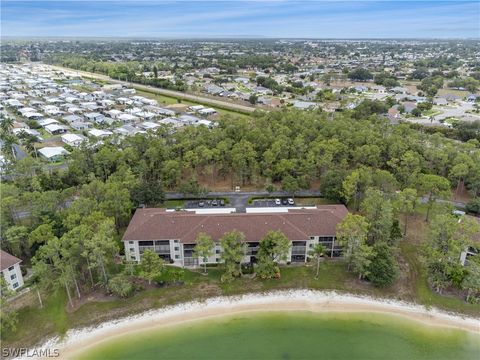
{"points": [[273, 18]]}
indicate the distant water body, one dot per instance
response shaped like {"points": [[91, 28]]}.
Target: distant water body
{"points": [[294, 335]]}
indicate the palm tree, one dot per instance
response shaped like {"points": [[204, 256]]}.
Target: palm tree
{"points": [[317, 252]]}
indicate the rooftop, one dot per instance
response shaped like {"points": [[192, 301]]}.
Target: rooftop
{"points": [[296, 224], [7, 260]]}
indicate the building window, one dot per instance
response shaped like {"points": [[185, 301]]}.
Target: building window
{"points": [[14, 276], [11, 268], [175, 241], [217, 251], [15, 285], [177, 248], [132, 250], [130, 242], [312, 237], [177, 257]]}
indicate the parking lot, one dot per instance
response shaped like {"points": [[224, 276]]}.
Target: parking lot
{"points": [[204, 203], [272, 202]]}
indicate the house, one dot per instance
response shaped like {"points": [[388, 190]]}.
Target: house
{"points": [[80, 125], [147, 125], [126, 130], [114, 113], [55, 129], [54, 153], [172, 235], [99, 133], [96, 117], [72, 118], [128, 118], [304, 105], [47, 122], [10, 267], [472, 97], [31, 132], [73, 140], [207, 111]]}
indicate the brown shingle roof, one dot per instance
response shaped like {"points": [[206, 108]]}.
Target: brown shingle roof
{"points": [[7, 260], [296, 224]]}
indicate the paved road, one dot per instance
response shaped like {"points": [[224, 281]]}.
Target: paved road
{"points": [[457, 204], [155, 90], [19, 153], [239, 200]]}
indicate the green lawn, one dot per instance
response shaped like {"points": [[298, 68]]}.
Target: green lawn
{"points": [[431, 112]]}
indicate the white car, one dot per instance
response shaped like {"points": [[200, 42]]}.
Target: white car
{"points": [[278, 202], [291, 202]]}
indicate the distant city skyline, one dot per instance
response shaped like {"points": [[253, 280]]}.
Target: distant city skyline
{"points": [[217, 19]]}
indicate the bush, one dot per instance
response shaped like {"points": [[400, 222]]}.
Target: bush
{"points": [[171, 274], [121, 285], [473, 206]]}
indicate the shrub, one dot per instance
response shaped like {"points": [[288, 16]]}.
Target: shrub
{"points": [[121, 285], [473, 206]]}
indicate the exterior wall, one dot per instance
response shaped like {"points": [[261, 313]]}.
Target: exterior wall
{"points": [[15, 272], [182, 254]]}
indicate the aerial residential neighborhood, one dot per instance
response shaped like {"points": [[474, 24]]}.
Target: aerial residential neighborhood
{"points": [[240, 180]]}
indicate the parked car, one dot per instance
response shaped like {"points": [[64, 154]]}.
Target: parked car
{"points": [[291, 201], [284, 202], [222, 202], [209, 202], [278, 202], [201, 203], [214, 202]]}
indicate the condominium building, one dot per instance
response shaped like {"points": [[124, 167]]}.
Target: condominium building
{"points": [[172, 234], [10, 267]]}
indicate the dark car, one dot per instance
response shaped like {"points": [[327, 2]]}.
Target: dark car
{"points": [[214, 203], [284, 202], [222, 202], [209, 202], [201, 203]]}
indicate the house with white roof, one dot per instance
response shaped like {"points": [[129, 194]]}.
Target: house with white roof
{"points": [[96, 117], [147, 125], [48, 121], [207, 111], [54, 153], [128, 118], [126, 130], [99, 133], [114, 113], [55, 129], [80, 125], [72, 118], [73, 140]]}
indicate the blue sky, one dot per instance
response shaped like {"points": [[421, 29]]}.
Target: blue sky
{"points": [[187, 19]]}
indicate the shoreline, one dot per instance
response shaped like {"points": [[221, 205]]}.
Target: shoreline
{"points": [[77, 341]]}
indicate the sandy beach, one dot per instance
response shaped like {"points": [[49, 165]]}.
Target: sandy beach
{"points": [[77, 341]]}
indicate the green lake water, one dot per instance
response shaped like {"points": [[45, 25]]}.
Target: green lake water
{"points": [[294, 335]]}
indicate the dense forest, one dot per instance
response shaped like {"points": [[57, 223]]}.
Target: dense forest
{"points": [[67, 223]]}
